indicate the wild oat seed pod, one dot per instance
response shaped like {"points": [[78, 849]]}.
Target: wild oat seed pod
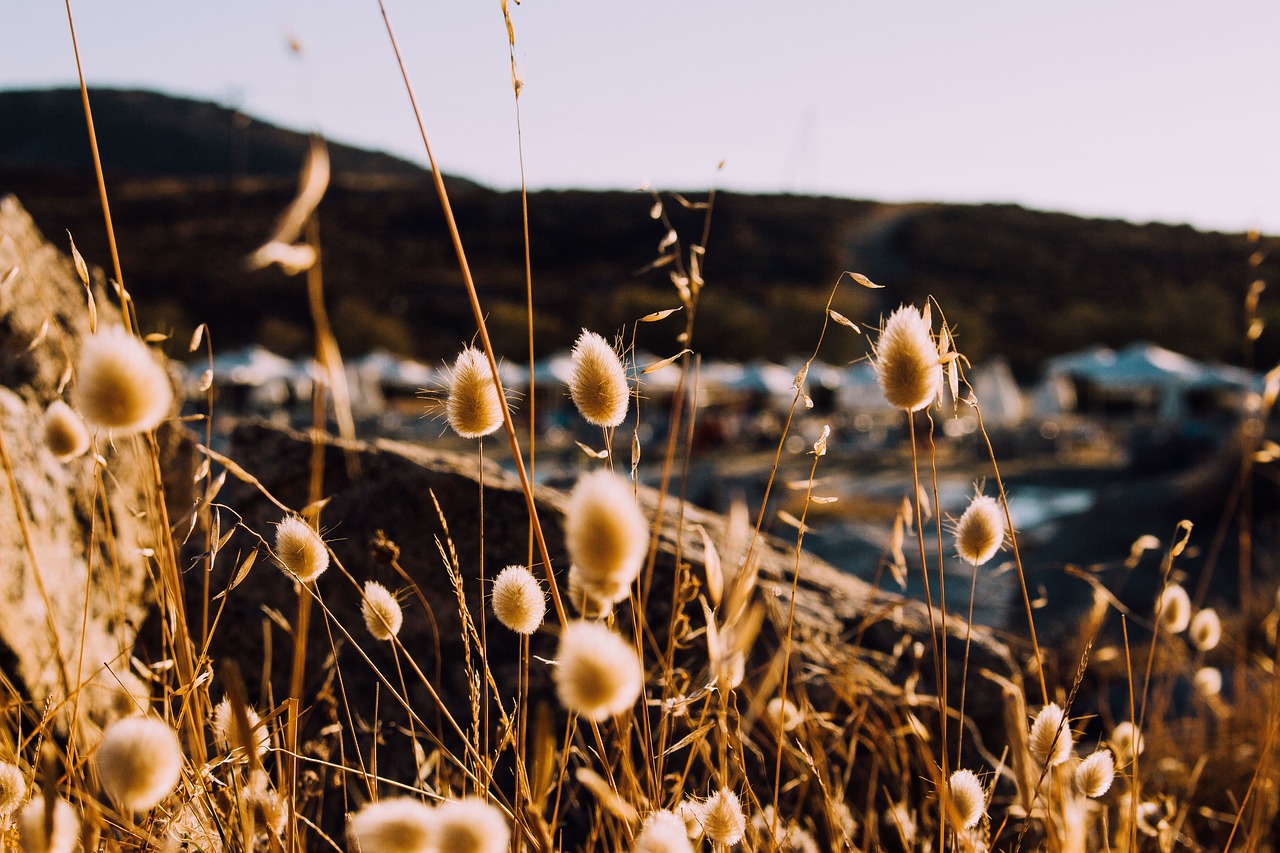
{"points": [[471, 825], [13, 790], [968, 796], [980, 531], [1050, 739], [300, 549], [1173, 610], [472, 407], [1095, 774], [120, 384], [33, 834], [1207, 681], [139, 762], [663, 832], [605, 532], [517, 600], [598, 384], [64, 432], [907, 362], [1126, 741], [382, 614], [1206, 630], [722, 819], [393, 825], [598, 674]]}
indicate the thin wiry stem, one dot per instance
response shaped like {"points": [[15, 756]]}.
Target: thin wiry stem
{"points": [[517, 456], [928, 598], [786, 653], [942, 593], [97, 171], [1017, 559]]}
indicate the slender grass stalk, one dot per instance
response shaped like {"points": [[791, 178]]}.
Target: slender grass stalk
{"points": [[516, 454], [1017, 558], [97, 172], [944, 686], [943, 793], [786, 648]]}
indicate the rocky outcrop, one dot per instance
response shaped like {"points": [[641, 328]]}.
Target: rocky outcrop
{"points": [[854, 647], [75, 537]]}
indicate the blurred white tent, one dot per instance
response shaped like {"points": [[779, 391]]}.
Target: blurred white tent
{"points": [[859, 392], [392, 372], [1143, 378], [999, 398], [251, 377]]}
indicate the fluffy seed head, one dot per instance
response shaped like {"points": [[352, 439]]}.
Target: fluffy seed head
{"points": [[1173, 610], [907, 362], [471, 825], [64, 431], [517, 600], [139, 762], [35, 837], [473, 408], [598, 384], [224, 728], [722, 818], [598, 673], [110, 695], [300, 549], [663, 832], [1050, 738], [691, 811], [1206, 630], [968, 796], [783, 714], [1126, 741], [769, 831], [605, 532], [120, 384], [980, 531], [1095, 773], [13, 789], [381, 611], [394, 825], [1207, 681], [592, 600]]}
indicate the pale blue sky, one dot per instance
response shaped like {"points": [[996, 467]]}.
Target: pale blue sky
{"points": [[1143, 110]]}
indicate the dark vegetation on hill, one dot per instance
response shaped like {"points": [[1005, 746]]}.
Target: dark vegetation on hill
{"points": [[196, 187]]}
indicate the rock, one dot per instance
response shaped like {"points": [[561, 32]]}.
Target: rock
{"points": [[854, 647], [77, 576]]}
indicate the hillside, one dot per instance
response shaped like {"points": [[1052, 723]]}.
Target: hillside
{"points": [[195, 188]]}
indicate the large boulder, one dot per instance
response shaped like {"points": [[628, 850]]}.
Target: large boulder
{"points": [[77, 538]]}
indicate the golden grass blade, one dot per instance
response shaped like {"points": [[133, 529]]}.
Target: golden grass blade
{"points": [[311, 189], [695, 735], [715, 573], [607, 797]]}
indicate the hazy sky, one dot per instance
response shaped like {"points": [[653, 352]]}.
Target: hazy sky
{"points": [[1143, 109]]}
